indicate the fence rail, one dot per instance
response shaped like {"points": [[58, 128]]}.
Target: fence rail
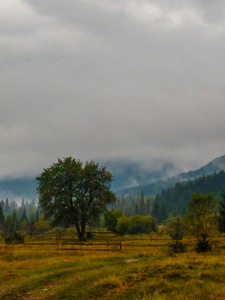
{"points": [[66, 245]]}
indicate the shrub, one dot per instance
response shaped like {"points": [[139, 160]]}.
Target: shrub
{"points": [[14, 237], [111, 219], [41, 226], [141, 224], [204, 245], [177, 247], [123, 225], [136, 224]]}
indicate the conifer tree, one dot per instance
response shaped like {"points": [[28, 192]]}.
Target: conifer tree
{"points": [[2, 218], [136, 209], [221, 217], [24, 215], [7, 208], [163, 213], [15, 220], [155, 211], [148, 205], [142, 205]]}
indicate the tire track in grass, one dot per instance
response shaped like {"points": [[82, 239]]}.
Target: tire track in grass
{"points": [[67, 284], [23, 289], [82, 285]]}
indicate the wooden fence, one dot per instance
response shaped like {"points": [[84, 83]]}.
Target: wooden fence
{"points": [[128, 244]]}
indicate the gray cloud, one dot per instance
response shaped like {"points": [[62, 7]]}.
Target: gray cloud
{"points": [[104, 80]]}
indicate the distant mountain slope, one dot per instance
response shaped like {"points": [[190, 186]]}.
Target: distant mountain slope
{"points": [[177, 197], [129, 173], [125, 173], [155, 188], [18, 188]]}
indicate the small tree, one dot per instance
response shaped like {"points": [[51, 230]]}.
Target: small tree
{"points": [[201, 219], [221, 216], [73, 194], [175, 227]]}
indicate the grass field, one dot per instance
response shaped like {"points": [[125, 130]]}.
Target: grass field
{"points": [[33, 271]]}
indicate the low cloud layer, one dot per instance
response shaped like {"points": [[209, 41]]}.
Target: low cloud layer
{"points": [[108, 80]]}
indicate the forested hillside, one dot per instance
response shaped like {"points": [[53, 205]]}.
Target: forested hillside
{"points": [[176, 198], [171, 201]]}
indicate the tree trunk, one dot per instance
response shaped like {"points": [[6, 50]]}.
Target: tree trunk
{"points": [[78, 231], [81, 232]]}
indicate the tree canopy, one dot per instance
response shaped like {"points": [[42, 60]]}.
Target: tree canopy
{"points": [[201, 219], [71, 193]]}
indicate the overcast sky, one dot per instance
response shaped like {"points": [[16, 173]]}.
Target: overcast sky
{"points": [[111, 79]]}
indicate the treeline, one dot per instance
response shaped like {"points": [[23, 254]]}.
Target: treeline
{"points": [[172, 201], [142, 205], [15, 217], [176, 198]]}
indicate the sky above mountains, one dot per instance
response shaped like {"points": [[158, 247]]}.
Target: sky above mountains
{"points": [[111, 80]]}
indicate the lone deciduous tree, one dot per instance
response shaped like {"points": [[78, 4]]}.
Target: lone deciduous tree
{"points": [[71, 193]]}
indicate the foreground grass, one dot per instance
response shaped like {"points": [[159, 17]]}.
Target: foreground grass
{"points": [[50, 274]]}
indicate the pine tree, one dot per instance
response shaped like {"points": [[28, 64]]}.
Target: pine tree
{"points": [[148, 205], [37, 215], [8, 224], [24, 220], [155, 211], [163, 213], [15, 220], [7, 208], [24, 215], [2, 218], [221, 217], [142, 205]]}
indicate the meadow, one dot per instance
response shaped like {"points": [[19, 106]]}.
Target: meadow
{"points": [[144, 268]]}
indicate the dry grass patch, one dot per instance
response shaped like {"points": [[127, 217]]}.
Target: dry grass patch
{"points": [[50, 274]]}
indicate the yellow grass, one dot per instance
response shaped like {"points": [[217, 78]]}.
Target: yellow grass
{"points": [[43, 272]]}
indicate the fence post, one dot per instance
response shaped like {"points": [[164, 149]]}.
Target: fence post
{"points": [[120, 246], [57, 241]]}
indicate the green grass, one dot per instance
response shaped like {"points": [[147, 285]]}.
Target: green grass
{"points": [[135, 273]]}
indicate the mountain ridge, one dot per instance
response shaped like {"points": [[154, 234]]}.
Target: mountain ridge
{"points": [[155, 188], [157, 176]]}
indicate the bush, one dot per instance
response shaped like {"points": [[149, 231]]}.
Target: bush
{"points": [[14, 237], [136, 224], [203, 244], [141, 224], [123, 225], [177, 247], [111, 219], [41, 227]]}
